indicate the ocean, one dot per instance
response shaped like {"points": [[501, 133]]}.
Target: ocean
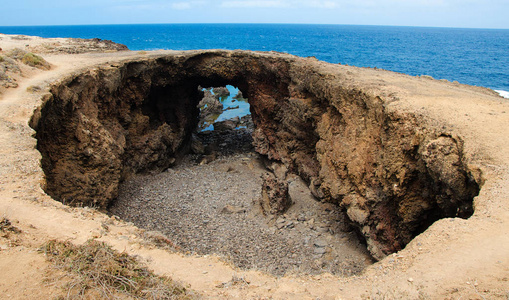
{"points": [[470, 56]]}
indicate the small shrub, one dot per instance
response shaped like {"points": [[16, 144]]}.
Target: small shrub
{"points": [[17, 53], [20, 37], [8, 64], [1, 58], [95, 266], [35, 61], [33, 89], [6, 228]]}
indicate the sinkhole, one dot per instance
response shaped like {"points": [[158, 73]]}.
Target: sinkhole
{"points": [[323, 161]]}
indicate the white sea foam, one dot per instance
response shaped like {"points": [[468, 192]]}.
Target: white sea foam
{"points": [[503, 93]]}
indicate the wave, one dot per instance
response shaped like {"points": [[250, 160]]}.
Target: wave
{"points": [[503, 93]]}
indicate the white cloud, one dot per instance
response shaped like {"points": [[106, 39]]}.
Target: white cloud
{"points": [[280, 3], [259, 3], [322, 4], [181, 5], [188, 4], [159, 5], [420, 2]]}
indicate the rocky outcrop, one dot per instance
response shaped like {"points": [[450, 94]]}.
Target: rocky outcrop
{"points": [[226, 125], [210, 109], [221, 91], [275, 197], [393, 175]]}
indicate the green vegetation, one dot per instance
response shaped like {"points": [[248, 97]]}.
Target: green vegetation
{"points": [[1, 58], [29, 58], [35, 61], [96, 268]]}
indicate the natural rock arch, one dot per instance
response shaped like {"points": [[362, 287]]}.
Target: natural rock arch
{"points": [[392, 175]]}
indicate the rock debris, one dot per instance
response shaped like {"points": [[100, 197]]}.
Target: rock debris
{"points": [[214, 208]]}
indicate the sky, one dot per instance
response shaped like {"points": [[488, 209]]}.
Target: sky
{"points": [[428, 13]]}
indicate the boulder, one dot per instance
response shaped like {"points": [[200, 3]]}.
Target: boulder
{"points": [[275, 198], [220, 92], [226, 125]]}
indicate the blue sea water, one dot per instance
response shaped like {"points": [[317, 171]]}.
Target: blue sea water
{"points": [[233, 107], [471, 56]]}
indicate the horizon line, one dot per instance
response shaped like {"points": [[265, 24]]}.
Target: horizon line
{"points": [[265, 23]]}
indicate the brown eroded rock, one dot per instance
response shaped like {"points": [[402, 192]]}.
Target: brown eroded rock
{"points": [[391, 171], [275, 198], [226, 125], [221, 92]]}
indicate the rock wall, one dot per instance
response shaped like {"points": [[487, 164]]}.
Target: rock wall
{"points": [[393, 176]]}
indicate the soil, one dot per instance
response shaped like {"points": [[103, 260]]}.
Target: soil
{"points": [[453, 259]]}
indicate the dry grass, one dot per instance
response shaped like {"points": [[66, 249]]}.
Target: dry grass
{"points": [[98, 270], [6, 227], [29, 58], [16, 53], [33, 89], [36, 61]]}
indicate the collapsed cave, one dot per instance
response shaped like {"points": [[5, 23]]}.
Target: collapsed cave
{"points": [[393, 176]]}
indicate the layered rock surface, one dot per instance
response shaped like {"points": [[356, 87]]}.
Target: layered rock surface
{"points": [[392, 172]]}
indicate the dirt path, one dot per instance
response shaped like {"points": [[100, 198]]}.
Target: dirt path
{"points": [[453, 259]]}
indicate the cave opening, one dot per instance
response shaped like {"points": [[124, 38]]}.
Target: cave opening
{"points": [[323, 160], [224, 125], [220, 104]]}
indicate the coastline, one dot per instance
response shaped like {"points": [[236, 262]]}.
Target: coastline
{"points": [[442, 53], [502, 93], [454, 256]]}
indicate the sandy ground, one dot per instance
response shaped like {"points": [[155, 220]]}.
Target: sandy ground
{"points": [[453, 259]]}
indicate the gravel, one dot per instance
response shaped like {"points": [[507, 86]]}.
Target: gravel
{"points": [[213, 208]]}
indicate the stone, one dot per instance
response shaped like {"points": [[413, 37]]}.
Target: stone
{"points": [[322, 228], [208, 159], [357, 214], [275, 199], [320, 250], [210, 108], [320, 243], [226, 125], [196, 145], [221, 91], [231, 209], [280, 170], [239, 95], [328, 207], [290, 224]]}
